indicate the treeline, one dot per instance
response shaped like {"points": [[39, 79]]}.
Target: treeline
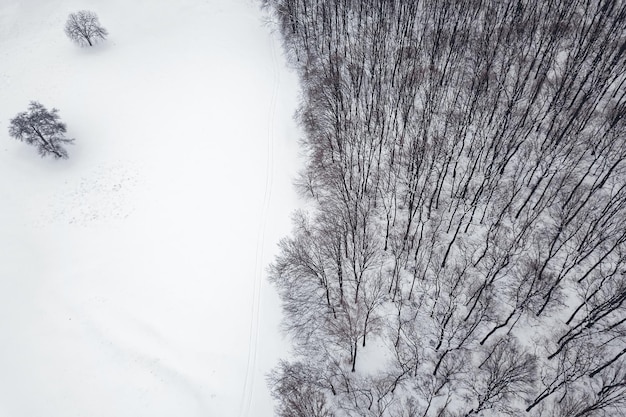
{"points": [[466, 164]]}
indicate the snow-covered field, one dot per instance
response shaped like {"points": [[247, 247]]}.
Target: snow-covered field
{"points": [[132, 276]]}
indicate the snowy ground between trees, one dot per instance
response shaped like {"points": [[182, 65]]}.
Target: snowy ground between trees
{"points": [[132, 276]]}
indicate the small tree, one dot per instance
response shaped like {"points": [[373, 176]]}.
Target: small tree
{"points": [[42, 128], [84, 28]]}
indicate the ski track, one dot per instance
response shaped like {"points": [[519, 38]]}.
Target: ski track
{"points": [[259, 260]]}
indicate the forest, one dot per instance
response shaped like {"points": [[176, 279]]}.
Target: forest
{"points": [[465, 185]]}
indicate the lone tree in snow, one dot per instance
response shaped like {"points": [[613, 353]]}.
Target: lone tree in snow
{"points": [[41, 128], [84, 28]]}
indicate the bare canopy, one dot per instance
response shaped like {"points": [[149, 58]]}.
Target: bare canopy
{"points": [[42, 128], [84, 28]]}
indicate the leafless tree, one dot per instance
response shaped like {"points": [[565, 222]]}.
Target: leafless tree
{"points": [[298, 394], [83, 28], [42, 128], [507, 373]]}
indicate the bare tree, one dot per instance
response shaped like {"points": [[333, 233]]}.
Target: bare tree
{"points": [[604, 396], [505, 374], [42, 128], [83, 28], [298, 393]]}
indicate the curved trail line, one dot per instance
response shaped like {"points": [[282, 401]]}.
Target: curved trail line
{"points": [[253, 340]]}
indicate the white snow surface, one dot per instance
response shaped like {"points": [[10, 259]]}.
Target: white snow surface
{"points": [[133, 275]]}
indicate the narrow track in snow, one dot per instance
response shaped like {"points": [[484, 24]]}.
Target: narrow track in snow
{"points": [[259, 263]]}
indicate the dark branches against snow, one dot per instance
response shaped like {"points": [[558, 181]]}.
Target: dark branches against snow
{"points": [[41, 128], [83, 28], [466, 165]]}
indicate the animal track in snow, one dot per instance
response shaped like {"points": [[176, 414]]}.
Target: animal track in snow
{"points": [[105, 194]]}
